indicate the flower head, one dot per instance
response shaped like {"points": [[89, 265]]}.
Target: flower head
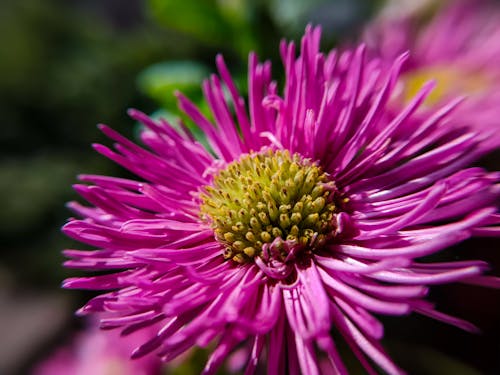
{"points": [[459, 49], [308, 214]]}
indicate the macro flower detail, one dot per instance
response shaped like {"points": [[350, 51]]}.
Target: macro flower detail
{"points": [[263, 199], [307, 215]]}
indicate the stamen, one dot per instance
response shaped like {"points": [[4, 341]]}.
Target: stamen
{"points": [[269, 195]]}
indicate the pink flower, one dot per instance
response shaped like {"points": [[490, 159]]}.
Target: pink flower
{"points": [[308, 214], [459, 48], [99, 352]]}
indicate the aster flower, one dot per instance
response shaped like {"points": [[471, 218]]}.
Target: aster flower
{"points": [[459, 48], [99, 352], [307, 216]]}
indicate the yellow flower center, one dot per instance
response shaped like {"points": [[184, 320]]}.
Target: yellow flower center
{"points": [[267, 196], [449, 80]]}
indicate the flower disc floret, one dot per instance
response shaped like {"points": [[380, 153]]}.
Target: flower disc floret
{"points": [[266, 196]]}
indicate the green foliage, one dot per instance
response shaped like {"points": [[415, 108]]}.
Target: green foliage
{"points": [[201, 19], [161, 80], [217, 23]]}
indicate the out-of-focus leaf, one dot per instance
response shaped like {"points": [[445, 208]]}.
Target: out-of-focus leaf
{"points": [[220, 23], [239, 14], [235, 11], [161, 80], [200, 19]]}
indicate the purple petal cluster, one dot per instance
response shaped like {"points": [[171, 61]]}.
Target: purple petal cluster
{"points": [[406, 193]]}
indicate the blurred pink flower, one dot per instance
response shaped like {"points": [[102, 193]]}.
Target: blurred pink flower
{"points": [[308, 214], [99, 352], [458, 48]]}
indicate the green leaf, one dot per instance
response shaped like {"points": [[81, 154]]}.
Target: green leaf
{"points": [[161, 80], [200, 19]]}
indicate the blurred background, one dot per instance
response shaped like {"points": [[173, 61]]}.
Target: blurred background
{"points": [[66, 65]]}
